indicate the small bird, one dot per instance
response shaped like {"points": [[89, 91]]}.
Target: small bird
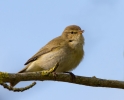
{"points": [[67, 50]]}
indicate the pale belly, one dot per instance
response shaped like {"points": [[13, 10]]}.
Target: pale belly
{"points": [[67, 61]]}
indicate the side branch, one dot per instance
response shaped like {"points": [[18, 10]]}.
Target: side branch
{"points": [[17, 89], [88, 81]]}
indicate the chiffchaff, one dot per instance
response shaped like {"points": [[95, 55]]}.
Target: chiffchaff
{"points": [[67, 50]]}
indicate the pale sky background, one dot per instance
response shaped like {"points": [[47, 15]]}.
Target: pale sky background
{"points": [[27, 25]]}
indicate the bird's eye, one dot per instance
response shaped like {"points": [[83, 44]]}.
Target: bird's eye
{"points": [[73, 32], [70, 40]]}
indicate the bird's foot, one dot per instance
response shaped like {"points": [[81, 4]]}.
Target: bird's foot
{"points": [[53, 72], [54, 75]]}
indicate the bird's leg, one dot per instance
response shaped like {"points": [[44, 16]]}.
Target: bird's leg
{"points": [[53, 72], [72, 76], [54, 75]]}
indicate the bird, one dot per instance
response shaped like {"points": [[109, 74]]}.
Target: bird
{"points": [[66, 49]]}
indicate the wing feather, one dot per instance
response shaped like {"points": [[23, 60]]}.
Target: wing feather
{"points": [[47, 48]]}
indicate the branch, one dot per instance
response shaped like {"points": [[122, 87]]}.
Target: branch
{"points": [[17, 89], [88, 81], [4, 75]]}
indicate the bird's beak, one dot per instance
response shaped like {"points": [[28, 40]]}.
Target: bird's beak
{"points": [[81, 31]]}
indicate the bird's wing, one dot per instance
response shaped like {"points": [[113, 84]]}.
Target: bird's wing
{"points": [[47, 48], [38, 54]]}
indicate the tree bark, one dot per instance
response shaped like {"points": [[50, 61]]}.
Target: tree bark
{"points": [[80, 80]]}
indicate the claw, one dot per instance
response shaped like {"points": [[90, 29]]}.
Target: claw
{"points": [[72, 76]]}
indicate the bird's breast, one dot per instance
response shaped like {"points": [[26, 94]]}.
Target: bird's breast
{"points": [[67, 58]]}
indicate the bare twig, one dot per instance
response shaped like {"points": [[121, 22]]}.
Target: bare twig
{"points": [[18, 89]]}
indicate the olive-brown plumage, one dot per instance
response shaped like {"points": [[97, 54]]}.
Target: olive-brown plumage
{"points": [[67, 50]]}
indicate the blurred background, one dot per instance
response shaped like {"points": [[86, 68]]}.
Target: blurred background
{"points": [[27, 25]]}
